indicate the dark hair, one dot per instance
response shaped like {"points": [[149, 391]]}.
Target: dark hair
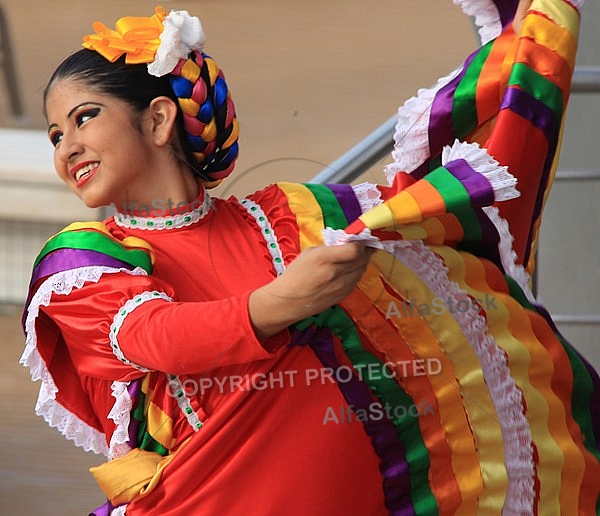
{"points": [[132, 84]]}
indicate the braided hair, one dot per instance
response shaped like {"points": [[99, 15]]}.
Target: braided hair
{"points": [[206, 121], [208, 114]]}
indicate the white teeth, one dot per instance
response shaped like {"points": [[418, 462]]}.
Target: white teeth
{"points": [[85, 171]]}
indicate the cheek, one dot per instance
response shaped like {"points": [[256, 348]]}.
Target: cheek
{"points": [[61, 169]]}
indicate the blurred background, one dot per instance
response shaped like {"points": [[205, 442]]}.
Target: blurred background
{"points": [[310, 79]]}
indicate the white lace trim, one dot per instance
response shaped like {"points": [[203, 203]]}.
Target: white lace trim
{"points": [[508, 257], [178, 221], [120, 316], [506, 397], [368, 196], [267, 232], [119, 511], [178, 391], [487, 18], [120, 414], [501, 180], [339, 237], [411, 136], [67, 423]]}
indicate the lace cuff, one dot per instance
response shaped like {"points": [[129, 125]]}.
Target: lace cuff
{"points": [[118, 320]]}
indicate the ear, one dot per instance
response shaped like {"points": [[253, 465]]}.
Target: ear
{"points": [[162, 113]]}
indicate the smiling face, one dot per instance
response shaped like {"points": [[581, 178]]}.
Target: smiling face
{"points": [[104, 151]]}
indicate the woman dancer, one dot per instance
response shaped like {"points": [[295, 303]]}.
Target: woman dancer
{"points": [[226, 361]]}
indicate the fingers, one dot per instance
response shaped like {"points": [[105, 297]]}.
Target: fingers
{"points": [[344, 259], [346, 253], [348, 263]]}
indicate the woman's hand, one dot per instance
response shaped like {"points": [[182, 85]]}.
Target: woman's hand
{"points": [[317, 279], [520, 14]]}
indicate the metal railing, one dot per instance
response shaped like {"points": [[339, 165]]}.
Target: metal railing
{"points": [[380, 143]]}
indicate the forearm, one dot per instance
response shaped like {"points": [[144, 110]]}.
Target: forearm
{"points": [[319, 278], [270, 313], [183, 338], [520, 14]]}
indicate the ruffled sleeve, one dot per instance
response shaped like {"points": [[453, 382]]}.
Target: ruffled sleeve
{"points": [[68, 350], [125, 325], [96, 320]]}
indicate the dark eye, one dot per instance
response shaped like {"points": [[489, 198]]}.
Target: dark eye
{"points": [[55, 138], [86, 115]]}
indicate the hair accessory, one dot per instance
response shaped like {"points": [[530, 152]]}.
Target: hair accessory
{"points": [[182, 34], [172, 45], [208, 115], [136, 37]]}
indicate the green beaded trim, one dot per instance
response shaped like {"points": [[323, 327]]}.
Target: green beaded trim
{"points": [[267, 232], [168, 222], [178, 391]]}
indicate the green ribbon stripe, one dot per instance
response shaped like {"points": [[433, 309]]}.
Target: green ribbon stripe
{"points": [[95, 241], [333, 214], [145, 440], [458, 201], [434, 162], [385, 389], [464, 105], [388, 392], [583, 387], [539, 87]]}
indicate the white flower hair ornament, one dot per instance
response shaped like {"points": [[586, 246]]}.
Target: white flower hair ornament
{"points": [[182, 33]]}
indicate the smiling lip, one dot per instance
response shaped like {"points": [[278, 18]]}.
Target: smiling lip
{"points": [[91, 165]]}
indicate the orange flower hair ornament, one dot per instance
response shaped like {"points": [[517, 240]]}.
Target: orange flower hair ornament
{"points": [[172, 44]]}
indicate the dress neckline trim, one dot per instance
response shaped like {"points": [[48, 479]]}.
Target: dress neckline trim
{"points": [[167, 222]]}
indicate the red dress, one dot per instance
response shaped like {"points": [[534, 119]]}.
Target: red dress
{"points": [[265, 443]]}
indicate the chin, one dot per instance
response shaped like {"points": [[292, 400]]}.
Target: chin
{"points": [[91, 203], [95, 202]]}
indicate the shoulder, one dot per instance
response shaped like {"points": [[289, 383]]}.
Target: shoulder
{"points": [[88, 244], [85, 261]]}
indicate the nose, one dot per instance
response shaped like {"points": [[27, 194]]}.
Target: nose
{"points": [[70, 147]]}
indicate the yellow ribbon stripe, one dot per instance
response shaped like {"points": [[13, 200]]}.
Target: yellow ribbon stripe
{"points": [[480, 410], [419, 338], [307, 210]]}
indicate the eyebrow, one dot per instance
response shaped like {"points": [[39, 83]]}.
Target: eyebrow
{"points": [[78, 106]]}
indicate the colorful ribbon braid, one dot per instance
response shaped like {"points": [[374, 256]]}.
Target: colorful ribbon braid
{"points": [[209, 115]]}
